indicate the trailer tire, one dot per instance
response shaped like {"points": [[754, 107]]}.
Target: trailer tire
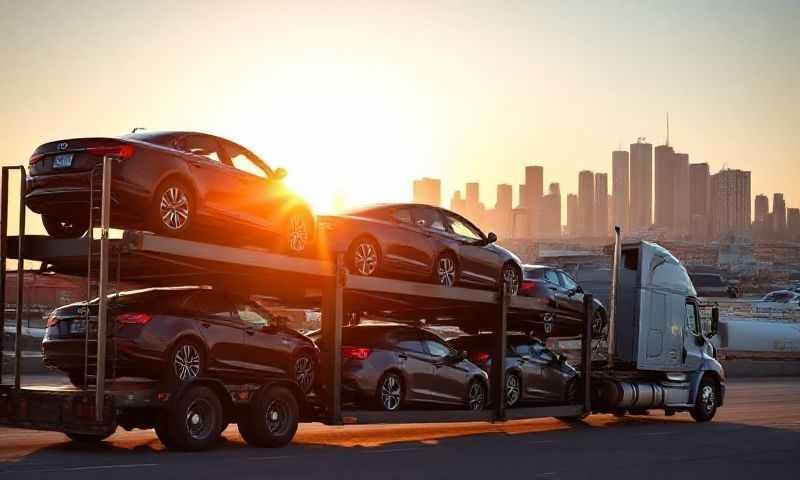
{"points": [[88, 438], [196, 421], [272, 418], [705, 405], [162, 431]]}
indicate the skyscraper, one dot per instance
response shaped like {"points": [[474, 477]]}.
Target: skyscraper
{"points": [[457, 204], [665, 180], [550, 213], [572, 215], [699, 200], [501, 219], [793, 223], [620, 179], [761, 223], [586, 203], [641, 185], [778, 214], [600, 205], [730, 202], [534, 189], [682, 194], [428, 191]]}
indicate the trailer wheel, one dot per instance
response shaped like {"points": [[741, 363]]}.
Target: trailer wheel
{"points": [[196, 421], [88, 438], [162, 431], [272, 419], [705, 405]]}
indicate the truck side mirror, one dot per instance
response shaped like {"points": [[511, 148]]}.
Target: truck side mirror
{"points": [[714, 327]]}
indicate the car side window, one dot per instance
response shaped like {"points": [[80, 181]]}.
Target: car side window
{"points": [[567, 281], [244, 161], [201, 145], [552, 277], [408, 341], [253, 316], [428, 218], [437, 349], [692, 319], [402, 215], [538, 350], [209, 304]]}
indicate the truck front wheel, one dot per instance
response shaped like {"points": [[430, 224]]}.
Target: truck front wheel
{"points": [[705, 405]]}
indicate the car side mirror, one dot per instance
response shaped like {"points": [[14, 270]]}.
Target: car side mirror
{"points": [[460, 356], [279, 174], [491, 238], [579, 289]]}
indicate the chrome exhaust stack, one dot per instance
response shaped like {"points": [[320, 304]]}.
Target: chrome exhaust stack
{"points": [[612, 307]]}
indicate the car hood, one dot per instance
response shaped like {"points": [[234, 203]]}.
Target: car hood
{"points": [[504, 252]]}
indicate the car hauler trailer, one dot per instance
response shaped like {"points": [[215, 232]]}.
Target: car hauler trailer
{"points": [[190, 416]]}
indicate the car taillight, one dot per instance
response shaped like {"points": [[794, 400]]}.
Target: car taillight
{"points": [[133, 318], [119, 151], [52, 320], [35, 159], [356, 353], [527, 286], [479, 357]]}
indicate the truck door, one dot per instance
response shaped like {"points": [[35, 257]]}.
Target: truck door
{"points": [[693, 341]]}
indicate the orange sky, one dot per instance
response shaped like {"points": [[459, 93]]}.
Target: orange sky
{"points": [[356, 99]]}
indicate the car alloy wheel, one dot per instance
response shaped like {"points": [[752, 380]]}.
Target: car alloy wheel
{"points": [[199, 419], [597, 323], [186, 362], [391, 392], [512, 390], [297, 232], [446, 271], [511, 277], [174, 209], [365, 258], [304, 373], [475, 397]]}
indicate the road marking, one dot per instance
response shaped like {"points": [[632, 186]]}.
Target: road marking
{"points": [[273, 457], [76, 469], [657, 433]]}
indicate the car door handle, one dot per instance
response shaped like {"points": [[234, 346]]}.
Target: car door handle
{"points": [[403, 356]]}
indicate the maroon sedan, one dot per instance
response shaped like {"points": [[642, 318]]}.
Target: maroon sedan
{"points": [[170, 183]]}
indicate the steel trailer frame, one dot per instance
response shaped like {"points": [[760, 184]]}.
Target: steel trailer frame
{"points": [[325, 283]]}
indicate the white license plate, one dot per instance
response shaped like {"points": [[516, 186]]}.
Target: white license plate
{"points": [[63, 160], [77, 326]]}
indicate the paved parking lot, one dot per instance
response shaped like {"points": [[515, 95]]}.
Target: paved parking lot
{"points": [[756, 435]]}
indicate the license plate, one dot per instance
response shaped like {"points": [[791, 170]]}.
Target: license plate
{"points": [[77, 326], [63, 160]]}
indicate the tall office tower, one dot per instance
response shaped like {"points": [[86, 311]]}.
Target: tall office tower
{"points": [[778, 215], [519, 223], [522, 197], [550, 213], [473, 208], [586, 200], [534, 189], [458, 204], [428, 191], [600, 205], [665, 180], [641, 185], [793, 223], [682, 194], [572, 215], [730, 202], [620, 188], [699, 200], [762, 224], [501, 221]]}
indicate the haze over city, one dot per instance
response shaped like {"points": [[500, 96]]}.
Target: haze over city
{"points": [[406, 91]]}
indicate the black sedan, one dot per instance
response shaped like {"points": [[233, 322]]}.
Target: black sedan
{"points": [[392, 366], [562, 303], [170, 183], [533, 372], [181, 333], [420, 242]]}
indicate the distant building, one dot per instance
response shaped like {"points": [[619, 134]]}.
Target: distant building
{"points": [[550, 213], [762, 224], [730, 202], [428, 191], [699, 201], [534, 190], [793, 223], [665, 187], [500, 219], [473, 208], [682, 195], [641, 185], [458, 204], [572, 215], [620, 189], [600, 205], [586, 201], [778, 214], [519, 223]]}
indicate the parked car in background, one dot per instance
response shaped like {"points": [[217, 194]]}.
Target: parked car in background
{"points": [[534, 373], [781, 300], [420, 242], [391, 366], [713, 285], [562, 303], [181, 333], [171, 183]]}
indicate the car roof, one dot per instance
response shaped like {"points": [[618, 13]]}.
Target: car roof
{"points": [[538, 267]]}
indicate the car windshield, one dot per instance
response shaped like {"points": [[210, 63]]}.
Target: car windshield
{"points": [[463, 228], [245, 161], [254, 315]]}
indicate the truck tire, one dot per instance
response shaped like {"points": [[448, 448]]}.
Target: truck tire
{"points": [[272, 418], [162, 431], [705, 405], [196, 421]]}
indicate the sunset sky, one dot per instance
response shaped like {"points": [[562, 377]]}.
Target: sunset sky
{"points": [[356, 99]]}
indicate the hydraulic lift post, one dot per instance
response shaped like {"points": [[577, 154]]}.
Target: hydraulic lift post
{"points": [[332, 319], [586, 351], [102, 290], [497, 379]]}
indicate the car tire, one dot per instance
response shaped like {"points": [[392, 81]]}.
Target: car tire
{"points": [[65, 227], [572, 396], [162, 431], [87, 438], [305, 372], [706, 403], [76, 378], [364, 257], [599, 322], [272, 418], [445, 272], [187, 361], [476, 395], [173, 209], [512, 275], [196, 421], [390, 394], [513, 389], [298, 231]]}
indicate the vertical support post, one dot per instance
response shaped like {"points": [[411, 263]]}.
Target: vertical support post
{"points": [[332, 319], [20, 281], [586, 351], [102, 314], [497, 380], [613, 297], [3, 256]]}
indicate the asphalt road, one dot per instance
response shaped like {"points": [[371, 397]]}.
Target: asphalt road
{"points": [[756, 435]]}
